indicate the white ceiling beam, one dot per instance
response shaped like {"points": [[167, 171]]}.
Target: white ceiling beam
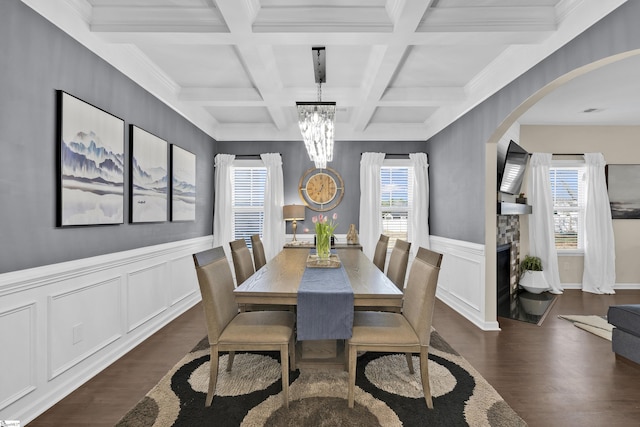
{"points": [[388, 59], [218, 96], [144, 36], [258, 60]]}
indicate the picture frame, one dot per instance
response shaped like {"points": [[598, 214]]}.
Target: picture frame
{"points": [[149, 173], [623, 186], [183, 184], [91, 164]]}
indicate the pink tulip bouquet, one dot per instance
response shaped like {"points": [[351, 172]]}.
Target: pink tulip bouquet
{"points": [[325, 227]]}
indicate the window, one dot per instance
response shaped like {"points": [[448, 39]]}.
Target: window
{"points": [[568, 195], [249, 180], [396, 189]]}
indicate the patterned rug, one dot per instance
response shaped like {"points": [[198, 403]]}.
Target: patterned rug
{"points": [[597, 325], [386, 394]]}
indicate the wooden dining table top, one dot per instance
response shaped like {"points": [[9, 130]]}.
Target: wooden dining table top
{"points": [[277, 282]]}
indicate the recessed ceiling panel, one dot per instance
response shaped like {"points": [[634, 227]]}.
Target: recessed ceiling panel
{"points": [[345, 65], [227, 115], [402, 114], [426, 66], [200, 65]]}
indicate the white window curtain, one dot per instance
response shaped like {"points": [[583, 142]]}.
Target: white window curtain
{"points": [[370, 216], [599, 274], [418, 230], [274, 227], [542, 241], [222, 213]]}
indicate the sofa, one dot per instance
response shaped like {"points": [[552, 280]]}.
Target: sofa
{"points": [[625, 339]]}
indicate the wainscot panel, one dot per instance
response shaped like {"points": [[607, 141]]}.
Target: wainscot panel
{"points": [[461, 283], [17, 329], [66, 322], [147, 294], [81, 323], [183, 276]]}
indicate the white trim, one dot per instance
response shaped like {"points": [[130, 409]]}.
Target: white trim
{"points": [[22, 280], [616, 287]]}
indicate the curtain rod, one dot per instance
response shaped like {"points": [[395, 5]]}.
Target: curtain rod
{"points": [[567, 154], [394, 154], [249, 156]]}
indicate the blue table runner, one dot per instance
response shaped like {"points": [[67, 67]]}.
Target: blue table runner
{"points": [[325, 304]]}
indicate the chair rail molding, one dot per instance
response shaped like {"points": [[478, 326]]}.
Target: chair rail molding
{"points": [[69, 321]]}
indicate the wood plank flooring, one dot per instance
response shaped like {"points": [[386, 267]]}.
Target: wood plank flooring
{"points": [[552, 375]]}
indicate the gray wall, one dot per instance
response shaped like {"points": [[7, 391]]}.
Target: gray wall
{"points": [[37, 58], [457, 154], [346, 161]]}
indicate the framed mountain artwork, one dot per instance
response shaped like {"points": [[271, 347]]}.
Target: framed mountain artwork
{"points": [[90, 164], [149, 177], [183, 184]]}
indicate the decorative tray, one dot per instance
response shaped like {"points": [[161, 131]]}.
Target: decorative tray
{"points": [[314, 262]]}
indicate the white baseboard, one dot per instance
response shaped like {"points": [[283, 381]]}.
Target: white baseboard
{"points": [[616, 287]]}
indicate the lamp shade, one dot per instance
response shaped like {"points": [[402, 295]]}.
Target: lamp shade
{"points": [[293, 212]]}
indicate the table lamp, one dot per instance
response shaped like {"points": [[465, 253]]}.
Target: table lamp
{"points": [[293, 213]]}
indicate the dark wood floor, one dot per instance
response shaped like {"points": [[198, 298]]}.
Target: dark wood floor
{"points": [[552, 375]]}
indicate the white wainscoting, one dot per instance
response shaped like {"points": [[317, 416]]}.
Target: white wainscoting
{"points": [[62, 324], [461, 283]]}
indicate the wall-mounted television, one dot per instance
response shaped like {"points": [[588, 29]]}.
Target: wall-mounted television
{"points": [[512, 165]]}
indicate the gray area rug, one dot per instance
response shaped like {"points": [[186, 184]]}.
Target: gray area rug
{"points": [[386, 394]]}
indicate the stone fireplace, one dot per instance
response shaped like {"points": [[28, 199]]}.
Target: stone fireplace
{"points": [[508, 255]]}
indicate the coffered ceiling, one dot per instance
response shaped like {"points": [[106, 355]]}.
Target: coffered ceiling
{"points": [[397, 69]]}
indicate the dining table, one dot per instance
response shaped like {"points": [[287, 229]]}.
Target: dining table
{"points": [[277, 284]]}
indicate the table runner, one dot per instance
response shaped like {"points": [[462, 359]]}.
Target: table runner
{"points": [[325, 304]]}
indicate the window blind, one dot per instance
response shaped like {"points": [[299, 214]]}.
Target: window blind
{"points": [[567, 191], [396, 189], [248, 202]]}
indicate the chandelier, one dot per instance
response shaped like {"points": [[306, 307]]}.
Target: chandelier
{"points": [[316, 119]]}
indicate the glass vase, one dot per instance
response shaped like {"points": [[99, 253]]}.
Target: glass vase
{"points": [[323, 246]]}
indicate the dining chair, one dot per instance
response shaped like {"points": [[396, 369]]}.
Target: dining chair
{"points": [[242, 262], [398, 261], [259, 259], [380, 254], [405, 332], [230, 330]]}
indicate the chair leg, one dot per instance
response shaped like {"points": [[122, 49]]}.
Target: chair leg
{"points": [[284, 361], [424, 374], [292, 353], [353, 355], [410, 362], [232, 354], [213, 375]]}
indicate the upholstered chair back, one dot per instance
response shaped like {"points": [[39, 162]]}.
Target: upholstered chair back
{"points": [[418, 303], [398, 260], [259, 259], [242, 262], [216, 287], [380, 254]]}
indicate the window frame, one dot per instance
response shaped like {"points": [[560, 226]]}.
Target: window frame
{"points": [[246, 164], [399, 163], [578, 164]]}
